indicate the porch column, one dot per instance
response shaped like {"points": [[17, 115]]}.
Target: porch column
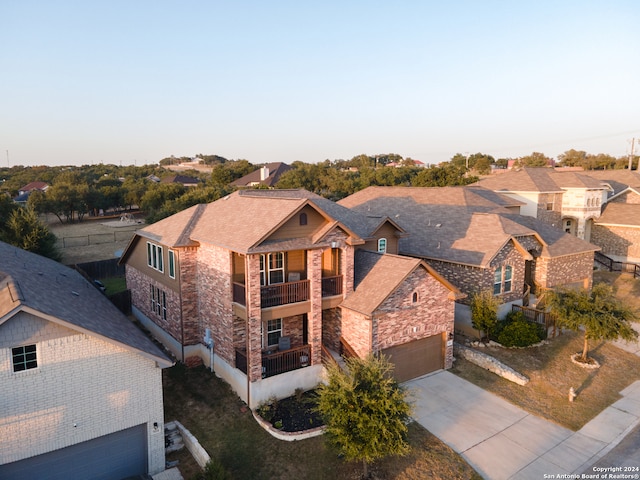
{"points": [[314, 318], [254, 318]]}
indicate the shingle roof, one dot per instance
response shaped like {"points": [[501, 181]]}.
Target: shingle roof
{"points": [[183, 179], [538, 179], [456, 225], [243, 220], [627, 214], [34, 186], [31, 282], [276, 169]]}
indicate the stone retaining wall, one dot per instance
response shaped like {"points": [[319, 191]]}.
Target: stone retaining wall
{"points": [[489, 363]]}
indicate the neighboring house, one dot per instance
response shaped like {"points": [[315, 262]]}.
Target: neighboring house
{"points": [[181, 179], [570, 200], [81, 384], [476, 240], [260, 284], [29, 187], [267, 175], [24, 192], [617, 231]]}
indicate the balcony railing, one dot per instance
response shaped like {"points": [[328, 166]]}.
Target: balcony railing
{"points": [[278, 362], [289, 292], [332, 286]]}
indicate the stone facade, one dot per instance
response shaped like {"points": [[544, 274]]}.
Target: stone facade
{"points": [[82, 389], [549, 208], [617, 242], [568, 270], [400, 320]]}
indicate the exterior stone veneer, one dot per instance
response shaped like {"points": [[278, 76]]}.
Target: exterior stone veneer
{"points": [[399, 320], [620, 242], [568, 270], [550, 217]]}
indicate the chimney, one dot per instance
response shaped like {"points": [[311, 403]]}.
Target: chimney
{"points": [[264, 173]]}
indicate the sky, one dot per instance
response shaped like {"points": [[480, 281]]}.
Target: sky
{"points": [[135, 81]]}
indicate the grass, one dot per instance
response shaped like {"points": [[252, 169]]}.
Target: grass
{"points": [[226, 429], [114, 285], [552, 373]]}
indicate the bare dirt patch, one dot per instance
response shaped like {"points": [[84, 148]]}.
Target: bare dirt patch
{"points": [[92, 239]]}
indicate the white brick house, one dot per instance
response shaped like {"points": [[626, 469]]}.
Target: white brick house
{"points": [[81, 385]]}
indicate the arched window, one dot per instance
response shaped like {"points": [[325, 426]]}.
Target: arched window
{"points": [[382, 245], [303, 219], [415, 297]]}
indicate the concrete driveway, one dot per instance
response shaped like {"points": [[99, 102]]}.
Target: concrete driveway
{"points": [[501, 441]]}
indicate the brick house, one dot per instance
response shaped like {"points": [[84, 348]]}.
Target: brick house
{"points": [[78, 379], [477, 241], [568, 200], [260, 284]]}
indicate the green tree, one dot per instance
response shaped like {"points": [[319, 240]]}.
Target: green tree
{"points": [[25, 230], [484, 312], [597, 312], [536, 159], [442, 176], [573, 158], [365, 410]]}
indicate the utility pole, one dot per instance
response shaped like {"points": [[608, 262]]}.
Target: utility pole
{"points": [[633, 144], [8, 165]]}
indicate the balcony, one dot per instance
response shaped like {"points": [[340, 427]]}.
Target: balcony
{"points": [[289, 292], [277, 362]]}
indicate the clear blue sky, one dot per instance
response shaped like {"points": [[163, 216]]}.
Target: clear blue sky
{"points": [[85, 82]]}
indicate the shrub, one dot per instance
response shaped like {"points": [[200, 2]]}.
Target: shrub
{"points": [[519, 333], [214, 470]]}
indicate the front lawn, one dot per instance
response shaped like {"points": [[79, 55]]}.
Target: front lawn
{"points": [[207, 406]]}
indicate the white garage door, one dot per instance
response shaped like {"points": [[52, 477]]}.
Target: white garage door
{"points": [[112, 457]]}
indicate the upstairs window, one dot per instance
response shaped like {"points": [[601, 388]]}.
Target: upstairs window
{"points": [[24, 358], [382, 245], [414, 299], [172, 264], [159, 302], [154, 257], [274, 331], [303, 219]]}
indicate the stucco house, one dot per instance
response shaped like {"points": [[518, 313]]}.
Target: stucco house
{"points": [[81, 384], [476, 239], [261, 284], [569, 200]]}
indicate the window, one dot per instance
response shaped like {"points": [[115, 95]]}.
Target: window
{"points": [[24, 358], [549, 205], [502, 279], [303, 219], [154, 256], [159, 302], [382, 245], [272, 268], [172, 264], [415, 297], [274, 331]]}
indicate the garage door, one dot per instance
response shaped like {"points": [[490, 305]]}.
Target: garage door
{"points": [[416, 358], [112, 457]]}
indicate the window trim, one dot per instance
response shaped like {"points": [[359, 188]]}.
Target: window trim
{"points": [[382, 245], [172, 264], [158, 302], [25, 362], [503, 277], [155, 259], [266, 260], [269, 331]]}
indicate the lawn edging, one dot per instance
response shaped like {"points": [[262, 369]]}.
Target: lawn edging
{"points": [[287, 436], [490, 363]]}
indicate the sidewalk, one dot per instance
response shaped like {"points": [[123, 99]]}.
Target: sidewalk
{"points": [[503, 442]]}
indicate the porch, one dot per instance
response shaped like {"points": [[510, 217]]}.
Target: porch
{"points": [[287, 292], [275, 361]]}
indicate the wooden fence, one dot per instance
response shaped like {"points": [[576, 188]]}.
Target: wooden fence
{"points": [[102, 269]]}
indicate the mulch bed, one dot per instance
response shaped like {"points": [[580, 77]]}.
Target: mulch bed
{"points": [[296, 414]]}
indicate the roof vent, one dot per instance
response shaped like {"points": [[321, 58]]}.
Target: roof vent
{"points": [[75, 293]]}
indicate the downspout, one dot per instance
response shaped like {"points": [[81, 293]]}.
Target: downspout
{"points": [[181, 307]]}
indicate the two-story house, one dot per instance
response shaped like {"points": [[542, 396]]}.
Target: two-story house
{"points": [[570, 201], [260, 284], [80, 384]]}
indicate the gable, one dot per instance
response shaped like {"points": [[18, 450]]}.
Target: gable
{"points": [[25, 328], [298, 226]]}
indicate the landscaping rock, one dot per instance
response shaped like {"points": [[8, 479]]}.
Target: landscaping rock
{"points": [[489, 363]]}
